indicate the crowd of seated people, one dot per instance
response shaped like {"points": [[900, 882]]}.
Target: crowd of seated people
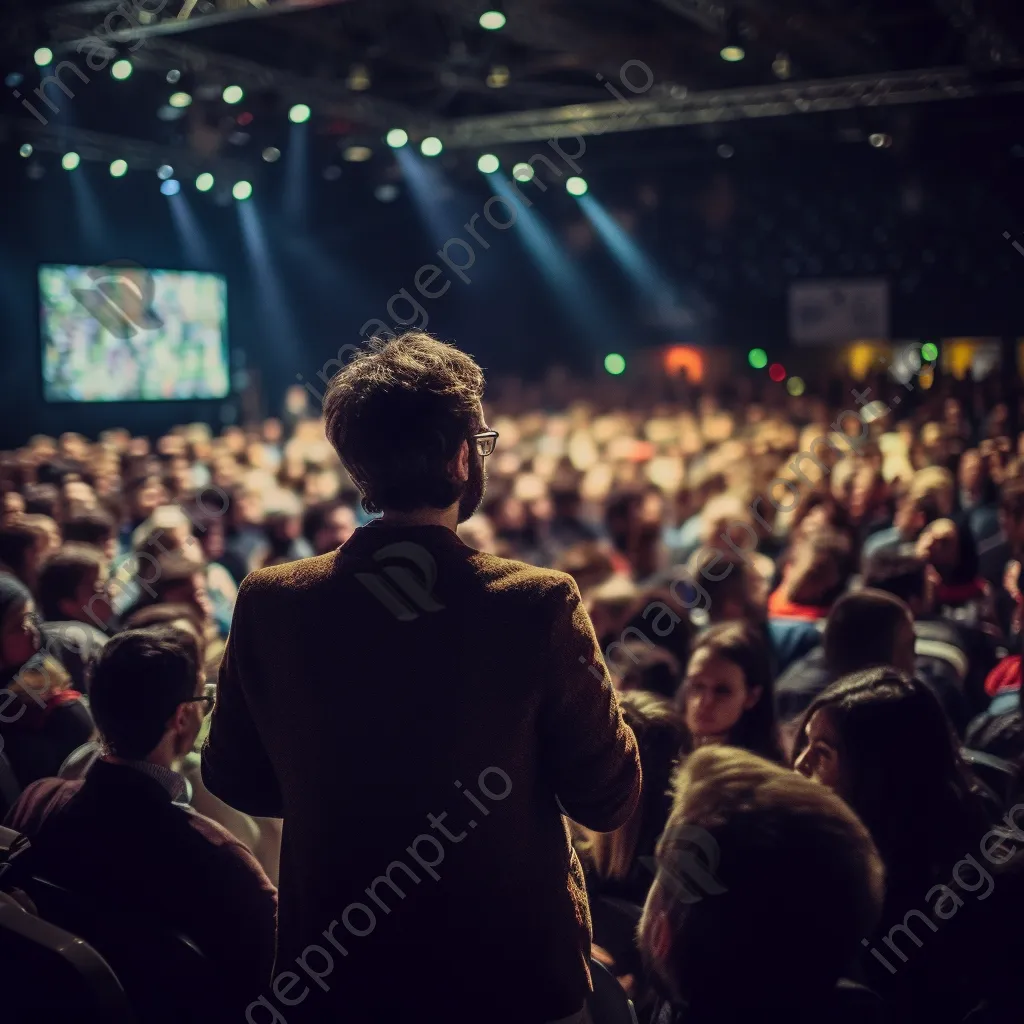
{"points": [[812, 618]]}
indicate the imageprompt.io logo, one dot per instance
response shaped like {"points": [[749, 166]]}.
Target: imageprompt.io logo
{"points": [[120, 299], [686, 864], [404, 591]]}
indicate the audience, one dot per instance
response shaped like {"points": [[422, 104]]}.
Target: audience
{"points": [[713, 536], [766, 884], [135, 848]]}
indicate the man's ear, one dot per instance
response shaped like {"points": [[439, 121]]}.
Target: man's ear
{"points": [[459, 466]]}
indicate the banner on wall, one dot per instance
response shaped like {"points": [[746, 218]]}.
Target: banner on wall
{"points": [[839, 311]]}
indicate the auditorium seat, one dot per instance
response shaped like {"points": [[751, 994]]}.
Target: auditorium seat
{"points": [[608, 1003], [50, 975]]}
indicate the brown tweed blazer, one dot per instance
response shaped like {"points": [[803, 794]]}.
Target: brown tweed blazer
{"points": [[420, 713]]}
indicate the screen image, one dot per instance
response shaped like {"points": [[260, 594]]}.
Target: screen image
{"points": [[129, 334]]}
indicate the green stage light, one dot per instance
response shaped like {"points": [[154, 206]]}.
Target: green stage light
{"points": [[758, 358], [929, 351], [397, 138], [487, 164], [204, 182], [118, 168], [614, 363], [121, 69], [299, 114], [241, 190], [233, 94]]}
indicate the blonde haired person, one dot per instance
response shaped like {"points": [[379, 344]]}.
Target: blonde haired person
{"points": [[766, 883]]}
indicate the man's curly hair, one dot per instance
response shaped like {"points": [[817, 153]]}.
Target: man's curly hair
{"points": [[397, 415]]}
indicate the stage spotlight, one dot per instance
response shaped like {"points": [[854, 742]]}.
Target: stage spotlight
{"points": [[497, 77], [69, 161], [171, 187], [173, 76], [121, 69], [576, 186], [492, 20], [180, 99], [386, 193], [232, 94], [165, 171], [26, 149], [522, 172], [204, 182], [43, 56], [397, 138], [614, 364], [732, 49], [241, 190], [118, 168], [487, 164], [795, 386], [271, 154], [929, 351], [357, 154], [358, 78], [880, 140], [777, 372], [758, 358], [299, 114], [431, 146]]}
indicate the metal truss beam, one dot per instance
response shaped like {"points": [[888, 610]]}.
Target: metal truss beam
{"points": [[779, 100], [97, 146], [151, 18]]}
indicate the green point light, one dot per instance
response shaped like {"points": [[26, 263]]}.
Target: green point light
{"points": [[431, 146], [43, 56], [576, 186], [299, 114], [233, 94], [522, 172], [397, 138], [204, 182], [487, 164], [614, 363], [492, 20], [121, 69], [179, 100], [758, 358], [929, 351], [241, 190], [69, 161], [795, 386], [118, 168]]}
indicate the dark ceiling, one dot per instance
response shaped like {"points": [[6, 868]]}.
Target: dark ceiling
{"points": [[425, 65]]}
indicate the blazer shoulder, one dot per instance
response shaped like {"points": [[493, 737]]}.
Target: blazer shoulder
{"points": [[528, 581], [302, 574]]}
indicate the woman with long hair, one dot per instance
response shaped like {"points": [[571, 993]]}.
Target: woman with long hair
{"points": [[881, 740], [727, 695]]}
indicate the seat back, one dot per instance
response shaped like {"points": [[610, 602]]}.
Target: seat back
{"points": [[999, 775], [161, 971], [608, 1003], [10, 789], [50, 974]]}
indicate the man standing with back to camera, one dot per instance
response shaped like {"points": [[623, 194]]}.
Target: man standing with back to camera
{"points": [[420, 714]]}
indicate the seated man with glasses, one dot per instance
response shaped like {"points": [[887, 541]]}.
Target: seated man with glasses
{"points": [[119, 838]]}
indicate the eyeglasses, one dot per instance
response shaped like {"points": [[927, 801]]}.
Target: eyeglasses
{"points": [[208, 698], [485, 442]]}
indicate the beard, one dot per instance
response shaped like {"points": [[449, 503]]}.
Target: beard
{"points": [[472, 496]]}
